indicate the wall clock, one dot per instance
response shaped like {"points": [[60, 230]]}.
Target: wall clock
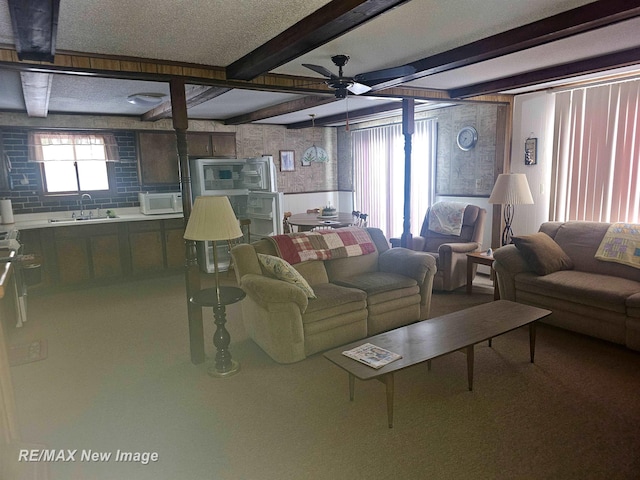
{"points": [[467, 138]]}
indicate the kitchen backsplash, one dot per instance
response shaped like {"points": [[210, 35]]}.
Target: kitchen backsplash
{"points": [[252, 140], [25, 178]]}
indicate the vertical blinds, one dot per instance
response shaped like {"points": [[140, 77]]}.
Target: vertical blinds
{"points": [[378, 155], [597, 154]]}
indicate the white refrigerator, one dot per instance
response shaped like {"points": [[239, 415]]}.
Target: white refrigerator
{"points": [[251, 185]]}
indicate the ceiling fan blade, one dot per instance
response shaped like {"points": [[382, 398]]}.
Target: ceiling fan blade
{"points": [[358, 88], [319, 69], [385, 74]]}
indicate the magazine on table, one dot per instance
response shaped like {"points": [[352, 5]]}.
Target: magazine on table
{"points": [[372, 355]]}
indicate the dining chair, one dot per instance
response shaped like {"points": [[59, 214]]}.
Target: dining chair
{"points": [[286, 226]]}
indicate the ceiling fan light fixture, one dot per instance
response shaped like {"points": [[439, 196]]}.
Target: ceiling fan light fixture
{"points": [[146, 99]]}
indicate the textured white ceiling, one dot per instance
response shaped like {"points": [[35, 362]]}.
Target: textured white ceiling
{"points": [[218, 32], [211, 32]]}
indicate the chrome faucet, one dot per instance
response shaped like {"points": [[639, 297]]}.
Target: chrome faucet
{"points": [[82, 203]]}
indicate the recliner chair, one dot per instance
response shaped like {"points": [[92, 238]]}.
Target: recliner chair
{"points": [[450, 251]]}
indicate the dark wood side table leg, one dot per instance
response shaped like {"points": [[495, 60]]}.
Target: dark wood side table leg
{"points": [[532, 340], [352, 386], [470, 264], [388, 381], [470, 366]]}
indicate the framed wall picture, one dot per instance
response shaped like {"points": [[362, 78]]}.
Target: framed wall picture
{"points": [[287, 160], [531, 151]]}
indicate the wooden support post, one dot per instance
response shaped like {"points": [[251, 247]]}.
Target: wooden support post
{"points": [[192, 273], [408, 127]]}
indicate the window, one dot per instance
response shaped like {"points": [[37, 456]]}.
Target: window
{"points": [[596, 171], [378, 155], [73, 162]]}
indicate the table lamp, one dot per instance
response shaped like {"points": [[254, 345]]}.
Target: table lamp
{"points": [[212, 219], [510, 189]]}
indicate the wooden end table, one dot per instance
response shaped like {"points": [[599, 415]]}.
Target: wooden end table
{"points": [[224, 365], [481, 259]]}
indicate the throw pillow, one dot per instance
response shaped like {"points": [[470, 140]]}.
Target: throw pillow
{"points": [[282, 270], [542, 253]]}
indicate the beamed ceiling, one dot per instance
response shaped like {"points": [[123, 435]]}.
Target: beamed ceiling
{"points": [[242, 62]]}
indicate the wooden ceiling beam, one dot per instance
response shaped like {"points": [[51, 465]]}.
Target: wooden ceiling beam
{"points": [[134, 68], [328, 22], [558, 72], [343, 117], [35, 27], [578, 20], [36, 90], [195, 95], [281, 109]]}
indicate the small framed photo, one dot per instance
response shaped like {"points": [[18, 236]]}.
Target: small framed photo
{"points": [[531, 151], [287, 160]]}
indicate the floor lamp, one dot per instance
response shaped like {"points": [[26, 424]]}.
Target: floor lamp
{"points": [[510, 189], [212, 219]]}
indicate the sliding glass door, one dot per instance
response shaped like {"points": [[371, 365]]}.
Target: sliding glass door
{"points": [[378, 155]]}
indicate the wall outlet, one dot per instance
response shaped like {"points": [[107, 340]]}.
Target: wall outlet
{"points": [[478, 183]]}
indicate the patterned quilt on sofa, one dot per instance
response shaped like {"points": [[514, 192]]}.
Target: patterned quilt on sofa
{"points": [[323, 244]]}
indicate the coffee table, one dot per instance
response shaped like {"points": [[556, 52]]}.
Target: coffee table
{"points": [[423, 341]]}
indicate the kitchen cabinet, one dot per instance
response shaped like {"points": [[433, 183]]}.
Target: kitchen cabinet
{"points": [[158, 153], [156, 245], [145, 244], [214, 144], [158, 158], [86, 252], [174, 243], [100, 253]]}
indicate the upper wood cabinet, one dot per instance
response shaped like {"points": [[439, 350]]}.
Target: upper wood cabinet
{"points": [[158, 158], [158, 153], [219, 144]]}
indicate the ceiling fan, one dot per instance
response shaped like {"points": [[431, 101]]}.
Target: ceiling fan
{"points": [[342, 84]]}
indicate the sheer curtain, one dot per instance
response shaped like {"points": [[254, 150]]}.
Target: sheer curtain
{"points": [[378, 155], [597, 154]]}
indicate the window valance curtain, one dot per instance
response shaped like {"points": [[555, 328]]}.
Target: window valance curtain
{"points": [[45, 146]]}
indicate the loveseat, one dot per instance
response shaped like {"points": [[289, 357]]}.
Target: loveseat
{"points": [[356, 296], [586, 294]]}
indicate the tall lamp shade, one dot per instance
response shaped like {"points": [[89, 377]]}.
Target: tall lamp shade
{"points": [[510, 189], [212, 218]]}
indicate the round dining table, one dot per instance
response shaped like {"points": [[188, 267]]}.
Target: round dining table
{"points": [[308, 221]]}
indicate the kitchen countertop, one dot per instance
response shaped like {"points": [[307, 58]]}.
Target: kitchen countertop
{"points": [[41, 220]]}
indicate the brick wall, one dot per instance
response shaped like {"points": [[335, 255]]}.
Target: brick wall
{"points": [[26, 198]]}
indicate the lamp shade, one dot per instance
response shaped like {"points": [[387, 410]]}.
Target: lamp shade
{"points": [[511, 189], [212, 218]]}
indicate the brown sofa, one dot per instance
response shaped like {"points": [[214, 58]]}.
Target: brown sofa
{"points": [[594, 297], [357, 297]]}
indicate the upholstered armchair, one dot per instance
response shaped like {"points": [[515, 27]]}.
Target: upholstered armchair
{"points": [[450, 251]]}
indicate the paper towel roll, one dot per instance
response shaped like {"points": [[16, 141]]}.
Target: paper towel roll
{"points": [[6, 211]]}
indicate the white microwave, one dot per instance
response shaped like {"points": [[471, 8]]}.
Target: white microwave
{"points": [[158, 203]]}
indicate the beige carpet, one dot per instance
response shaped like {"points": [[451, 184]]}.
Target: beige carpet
{"points": [[118, 376]]}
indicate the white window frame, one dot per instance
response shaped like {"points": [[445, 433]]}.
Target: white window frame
{"points": [[75, 148]]}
